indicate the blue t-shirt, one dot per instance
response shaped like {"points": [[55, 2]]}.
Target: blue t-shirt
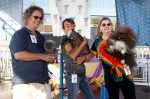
{"points": [[25, 72]]}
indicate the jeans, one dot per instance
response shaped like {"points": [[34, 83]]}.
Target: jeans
{"points": [[82, 84]]}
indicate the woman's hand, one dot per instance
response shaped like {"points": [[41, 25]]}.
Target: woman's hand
{"points": [[80, 60], [85, 40]]}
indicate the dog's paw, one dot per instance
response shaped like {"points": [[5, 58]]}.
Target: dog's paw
{"points": [[123, 61], [123, 51], [125, 65], [112, 47]]}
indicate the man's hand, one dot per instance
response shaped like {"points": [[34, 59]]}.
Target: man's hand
{"points": [[50, 58]]}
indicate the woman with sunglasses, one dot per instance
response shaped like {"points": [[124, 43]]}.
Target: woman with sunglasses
{"points": [[76, 78], [114, 78]]}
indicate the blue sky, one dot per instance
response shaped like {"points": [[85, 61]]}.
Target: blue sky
{"points": [[103, 7]]}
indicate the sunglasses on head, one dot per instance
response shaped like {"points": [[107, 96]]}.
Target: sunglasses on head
{"points": [[106, 24], [36, 17]]}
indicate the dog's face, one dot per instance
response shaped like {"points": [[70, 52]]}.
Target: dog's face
{"points": [[120, 34], [49, 46], [73, 36], [126, 35]]}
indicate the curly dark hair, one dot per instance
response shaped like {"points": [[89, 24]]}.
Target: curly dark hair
{"points": [[28, 13]]}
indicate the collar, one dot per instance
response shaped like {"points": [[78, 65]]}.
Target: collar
{"points": [[29, 31]]}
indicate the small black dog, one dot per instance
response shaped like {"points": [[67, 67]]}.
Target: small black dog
{"points": [[50, 47]]}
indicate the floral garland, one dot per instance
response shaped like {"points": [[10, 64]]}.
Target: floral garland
{"points": [[117, 69]]}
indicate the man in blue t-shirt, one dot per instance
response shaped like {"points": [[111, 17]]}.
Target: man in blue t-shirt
{"points": [[30, 71]]}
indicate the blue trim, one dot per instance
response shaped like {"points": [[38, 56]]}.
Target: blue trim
{"points": [[61, 76]]}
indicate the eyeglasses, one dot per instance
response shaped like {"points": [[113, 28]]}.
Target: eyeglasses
{"points": [[70, 25], [106, 24], [36, 17]]}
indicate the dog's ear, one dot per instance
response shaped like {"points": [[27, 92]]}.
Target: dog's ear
{"points": [[114, 35]]}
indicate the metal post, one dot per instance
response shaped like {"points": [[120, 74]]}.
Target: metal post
{"points": [[103, 92], [61, 76]]}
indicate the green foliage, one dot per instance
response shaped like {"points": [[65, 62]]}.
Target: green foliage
{"points": [[94, 20]]}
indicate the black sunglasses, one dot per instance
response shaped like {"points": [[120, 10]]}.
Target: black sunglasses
{"points": [[106, 24], [36, 17]]}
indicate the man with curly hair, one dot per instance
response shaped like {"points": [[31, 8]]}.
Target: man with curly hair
{"points": [[30, 80]]}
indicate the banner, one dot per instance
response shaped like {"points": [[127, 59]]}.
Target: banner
{"points": [[78, 10], [136, 14]]}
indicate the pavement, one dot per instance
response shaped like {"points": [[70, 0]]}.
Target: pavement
{"points": [[5, 90]]}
